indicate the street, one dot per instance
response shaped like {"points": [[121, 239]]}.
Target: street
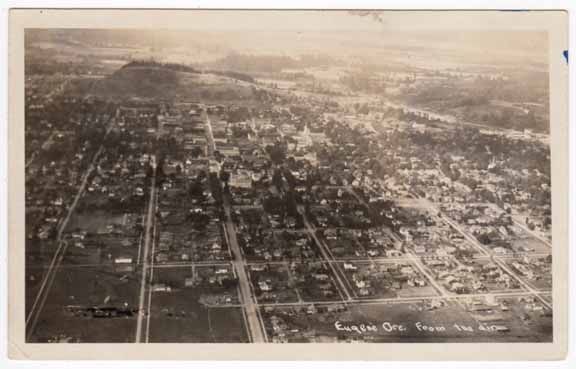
{"points": [[147, 257]]}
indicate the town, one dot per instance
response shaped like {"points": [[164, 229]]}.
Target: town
{"points": [[247, 211]]}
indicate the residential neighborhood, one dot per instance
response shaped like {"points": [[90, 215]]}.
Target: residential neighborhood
{"points": [[320, 202]]}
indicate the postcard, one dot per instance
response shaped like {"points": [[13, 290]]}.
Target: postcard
{"points": [[211, 184]]}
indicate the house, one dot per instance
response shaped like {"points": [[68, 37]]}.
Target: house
{"points": [[161, 257], [161, 287], [79, 235], [229, 150], [419, 249], [350, 266], [500, 250], [501, 328], [264, 286], [123, 260], [242, 178], [330, 234], [373, 252], [189, 281], [393, 253], [406, 269], [420, 282], [457, 287], [477, 285], [257, 267], [311, 309], [321, 276], [216, 248]]}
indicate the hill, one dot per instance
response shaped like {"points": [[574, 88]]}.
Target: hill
{"points": [[166, 82]]}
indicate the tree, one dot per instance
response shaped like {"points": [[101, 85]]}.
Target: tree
{"points": [[277, 153], [225, 177]]}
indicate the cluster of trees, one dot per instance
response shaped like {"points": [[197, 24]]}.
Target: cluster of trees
{"points": [[277, 153], [488, 101], [40, 67], [273, 63], [256, 63], [234, 75], [154, 64], [364, 82], [224, 94], [238, 114]]}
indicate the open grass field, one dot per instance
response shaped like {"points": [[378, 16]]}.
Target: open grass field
{"points": [[94, 222], [181, 316], [178, 317], [527, 242], [88, 287]]}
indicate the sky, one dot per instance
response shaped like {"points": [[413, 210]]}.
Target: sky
{"points": [[502, 37]]}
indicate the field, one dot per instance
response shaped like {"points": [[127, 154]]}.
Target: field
{"points": [[86, 287], [164, 83], [201, 325], [184, 314], [530, 243], [95, 222]]}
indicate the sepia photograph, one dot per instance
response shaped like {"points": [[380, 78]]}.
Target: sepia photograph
{"points": [[297, 177]]}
